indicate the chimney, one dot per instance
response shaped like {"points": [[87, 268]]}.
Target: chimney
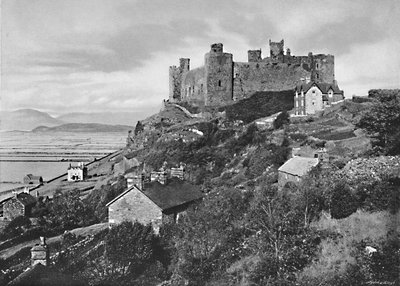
{"points": [[136, 180], [40, 253], [162, 178]]}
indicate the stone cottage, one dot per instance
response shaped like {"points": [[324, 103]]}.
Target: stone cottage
{"points": [[33, 180], [294, 169], [153, 202], [19, 205], [77, 173], [312, 97]]}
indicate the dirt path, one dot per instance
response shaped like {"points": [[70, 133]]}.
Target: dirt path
{"points": [[83, 231]]}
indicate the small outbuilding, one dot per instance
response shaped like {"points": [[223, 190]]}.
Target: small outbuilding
{"points": [[33, 180], [19, 205], [294, 169]]}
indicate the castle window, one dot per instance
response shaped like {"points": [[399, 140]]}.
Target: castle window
{"points": [[317, 75], [190, 90], [317, 66], [201, 87], [219, 83]]}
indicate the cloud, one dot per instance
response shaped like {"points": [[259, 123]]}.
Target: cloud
{"points": [[97, 55]]}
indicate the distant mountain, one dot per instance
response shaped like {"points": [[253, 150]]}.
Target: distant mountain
{"points": [[26, 119], [84, 127], [113, 118]]}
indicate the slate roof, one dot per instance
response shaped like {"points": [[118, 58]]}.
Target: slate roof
{"points": [[175, 193], [298, 166], [33, 178], [323, 86]]}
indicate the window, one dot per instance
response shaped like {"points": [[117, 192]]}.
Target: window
{"points": [[201, 87], [297, 103], [219, 83], [317, 66]]}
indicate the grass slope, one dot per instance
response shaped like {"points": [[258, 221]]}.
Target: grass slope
{"points": [[260, 104]]}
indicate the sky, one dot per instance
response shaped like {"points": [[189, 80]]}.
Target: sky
{"points": [[62, 56]]}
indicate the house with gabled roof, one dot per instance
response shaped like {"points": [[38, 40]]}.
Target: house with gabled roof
{"points": [[153, 202], [312, 97], [294, 169], [19, 205], [32, 179]]}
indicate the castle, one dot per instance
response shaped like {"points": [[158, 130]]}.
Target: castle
{"points": [[222, 81]]}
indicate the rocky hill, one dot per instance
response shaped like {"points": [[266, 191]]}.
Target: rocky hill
{"points": [[26, 120], [84, 127]]}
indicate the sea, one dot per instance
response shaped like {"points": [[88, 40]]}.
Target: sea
{"points": [[48, 154]]}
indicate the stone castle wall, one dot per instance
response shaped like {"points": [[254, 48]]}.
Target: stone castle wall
{"points": [[221, 80], [263, 76]]}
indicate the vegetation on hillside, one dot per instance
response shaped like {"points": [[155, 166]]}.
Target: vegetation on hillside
{"points": [[260, 104], [246, 231]]}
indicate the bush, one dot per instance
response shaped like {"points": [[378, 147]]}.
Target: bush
{"points": [[281, 120], [16, 227], [343, 202]]}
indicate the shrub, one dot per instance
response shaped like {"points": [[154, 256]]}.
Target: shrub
{"points": [[16, 227], [281, 120], [343, 202]]}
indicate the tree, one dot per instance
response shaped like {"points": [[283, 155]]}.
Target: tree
{"points": [[281, 120], [279, 236], [382, 121], [209, 237], [129, 249], [68, 211], [16, 227], [343, 202]]}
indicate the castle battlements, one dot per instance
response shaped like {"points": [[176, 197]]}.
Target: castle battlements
{"points": [[221, 80]]}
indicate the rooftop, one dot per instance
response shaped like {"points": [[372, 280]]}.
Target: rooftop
{"points": [[323, 86], [298, 166], [175, 193]]}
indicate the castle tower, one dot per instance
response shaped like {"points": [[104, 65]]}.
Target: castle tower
{"points": [[276, 49], [219, 76], [175, 79], [254, 55], [184, 64]]}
